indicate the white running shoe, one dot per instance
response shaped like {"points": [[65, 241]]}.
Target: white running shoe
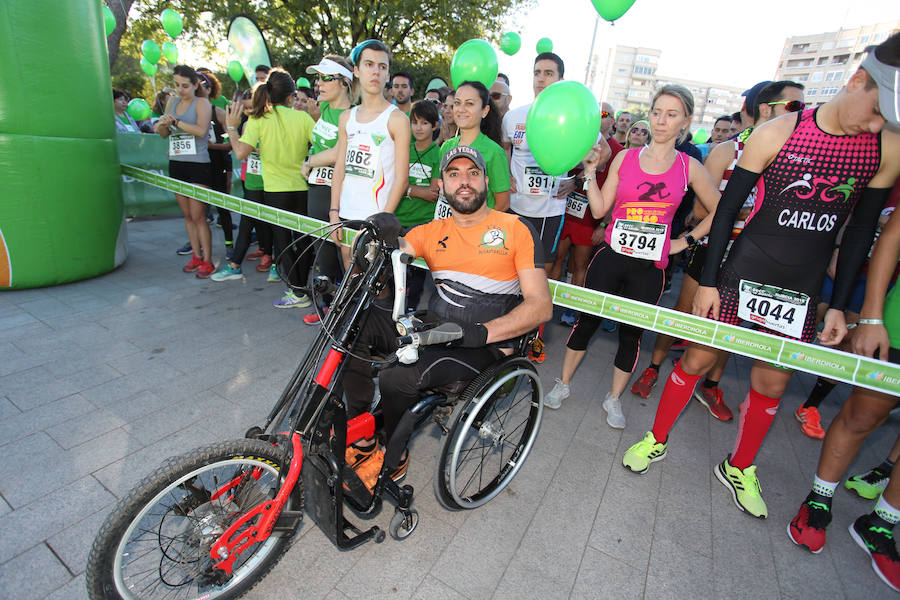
{"points": [[559, 393], [615, 418]]}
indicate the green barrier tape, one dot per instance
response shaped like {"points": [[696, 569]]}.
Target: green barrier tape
{"points": [[818, 360]]}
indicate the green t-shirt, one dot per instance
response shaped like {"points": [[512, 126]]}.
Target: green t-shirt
{"points": [[252, 181], [154, 114], [495, 160], [423, 167], [891, 316], [283, 137], [324, 134], [220, 101]]}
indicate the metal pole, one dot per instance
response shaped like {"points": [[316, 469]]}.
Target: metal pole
{"points": [[587, 70]]}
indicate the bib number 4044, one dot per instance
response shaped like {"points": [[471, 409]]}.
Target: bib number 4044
{"points": [[772, 307]]}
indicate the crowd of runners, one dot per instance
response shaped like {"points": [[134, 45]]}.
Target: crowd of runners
{"points": [[772, 222]]}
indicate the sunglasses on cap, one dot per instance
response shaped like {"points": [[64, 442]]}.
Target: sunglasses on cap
{"points": [[605, 115], [790, 105], [327, 78]]}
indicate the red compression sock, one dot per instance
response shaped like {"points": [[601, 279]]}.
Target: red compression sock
{"points": [[675, 396], [757, 413]]}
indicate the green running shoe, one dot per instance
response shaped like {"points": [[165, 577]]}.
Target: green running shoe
{"points": [[870, 484], [273, 274], [226, 273], [648, 450], [744, 488]]}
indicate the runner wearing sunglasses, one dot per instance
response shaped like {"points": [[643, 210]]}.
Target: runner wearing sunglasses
{"points": [[501, 97], [720, 164], [638, 135], [816, 167]]}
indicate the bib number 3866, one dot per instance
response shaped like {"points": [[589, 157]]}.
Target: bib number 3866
{"points": [[442, 208], [772, 307]]}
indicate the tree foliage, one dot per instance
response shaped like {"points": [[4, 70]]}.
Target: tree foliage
{"points": [[420, 32]]}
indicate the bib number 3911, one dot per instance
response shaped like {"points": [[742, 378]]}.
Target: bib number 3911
{"points": [[639, 239], [772, 307], [536, 182]]}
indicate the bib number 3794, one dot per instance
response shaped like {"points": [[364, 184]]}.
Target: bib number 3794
{"points": [[772, 307], [639, 239]]}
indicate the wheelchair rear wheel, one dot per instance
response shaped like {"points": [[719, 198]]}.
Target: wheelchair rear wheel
{"points": [[491, 432]]}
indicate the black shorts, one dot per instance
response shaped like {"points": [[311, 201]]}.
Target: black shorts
{"points": [[695, 262], [549, 230], [191, 172]]}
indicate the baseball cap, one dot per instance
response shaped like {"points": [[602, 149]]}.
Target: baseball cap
{"points": [[466, 151], [328, 67], [751, 94], [888, 80]]}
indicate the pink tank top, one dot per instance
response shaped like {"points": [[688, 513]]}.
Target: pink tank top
{"points": [[641, 218]]}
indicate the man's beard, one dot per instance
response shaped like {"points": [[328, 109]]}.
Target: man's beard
{"points": [[467, 207]]}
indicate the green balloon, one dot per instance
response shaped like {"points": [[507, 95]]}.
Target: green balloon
{"points": [[138, 109], [303, 82], [474, 60], [151, 51], [109, 19], [544, 45], [170, 51], [148, 67], [701, 136], [611, 10], [510, 43], [171, 22], [235, 71], [562, 126]]}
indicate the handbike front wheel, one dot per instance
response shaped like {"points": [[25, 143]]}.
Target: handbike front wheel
{"points": [[156, 542], [492, 430]]}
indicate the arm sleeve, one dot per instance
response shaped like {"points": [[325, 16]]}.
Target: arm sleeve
{"points": [[857, 241], [739, 187]]}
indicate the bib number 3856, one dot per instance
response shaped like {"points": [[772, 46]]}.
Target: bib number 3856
{"points": [[772, 307]]}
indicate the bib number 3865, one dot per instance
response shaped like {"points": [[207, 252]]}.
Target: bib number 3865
{"points": [[772, 307]]}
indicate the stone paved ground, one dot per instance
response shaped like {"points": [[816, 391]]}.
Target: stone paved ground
{"points": [[102, 379]]}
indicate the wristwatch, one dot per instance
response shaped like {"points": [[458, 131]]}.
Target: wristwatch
{"points": [[691, 240]]}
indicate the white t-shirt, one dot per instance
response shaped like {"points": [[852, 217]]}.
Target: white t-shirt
{"points": [[536, 189]]}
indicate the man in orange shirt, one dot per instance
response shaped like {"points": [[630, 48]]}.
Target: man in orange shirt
{"points": [[488, 269]]}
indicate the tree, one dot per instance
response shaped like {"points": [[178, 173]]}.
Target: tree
{"points": [[418, 31]]}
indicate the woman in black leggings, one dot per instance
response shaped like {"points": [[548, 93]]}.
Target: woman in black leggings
{"points": [[282, 136]]}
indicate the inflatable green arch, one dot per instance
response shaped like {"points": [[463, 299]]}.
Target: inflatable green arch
{"points": [[61, 212]]}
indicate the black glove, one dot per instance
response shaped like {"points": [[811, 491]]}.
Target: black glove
{"points": [[388, 228], [474, 336]]}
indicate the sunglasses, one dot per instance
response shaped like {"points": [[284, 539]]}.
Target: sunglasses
{"points": [[641, 131], [497, 95], [790, 105], [433, 100], [327, 78], [605, 115]]}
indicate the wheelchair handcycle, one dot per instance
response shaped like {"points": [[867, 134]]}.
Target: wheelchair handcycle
{"points": [[211, 523]]}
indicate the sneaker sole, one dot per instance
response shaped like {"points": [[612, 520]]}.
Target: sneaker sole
{"points": [[298, 305], [796, 543], [860, 495], [727, 483], [229, 278], [859, 542], [647, 468]]}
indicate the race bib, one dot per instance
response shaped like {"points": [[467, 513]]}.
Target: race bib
{"points": [[321, 175], [182, 144], [362, 157], [576, 205], [639, 239], [442, 208], [254, 164], [772, 307], [536, 183], [211, 135]]}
